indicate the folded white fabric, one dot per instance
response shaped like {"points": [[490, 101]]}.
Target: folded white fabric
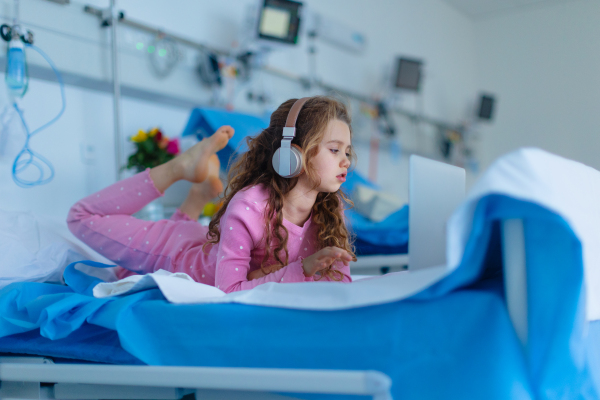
{"points": [[177, 287]]}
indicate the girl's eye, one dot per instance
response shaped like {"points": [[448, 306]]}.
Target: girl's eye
{"points": [[334, 151], [348, 155]]}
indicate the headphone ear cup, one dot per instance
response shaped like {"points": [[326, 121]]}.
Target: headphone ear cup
{"points": [[296, 160], [300, 167]]}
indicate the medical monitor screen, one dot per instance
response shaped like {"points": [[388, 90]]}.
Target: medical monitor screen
{"points": [[486, 107], [408, 74], [280, 21]]}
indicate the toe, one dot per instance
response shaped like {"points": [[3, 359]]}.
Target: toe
{"points": [[228, 130]]}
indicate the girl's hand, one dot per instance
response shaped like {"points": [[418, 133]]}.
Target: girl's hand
{"points": [[257, 273], [323, 259]]}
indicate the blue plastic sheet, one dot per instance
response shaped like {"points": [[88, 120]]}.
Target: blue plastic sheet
{"points": [[453, 340]]}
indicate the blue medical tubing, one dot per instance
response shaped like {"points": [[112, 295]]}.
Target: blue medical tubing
{"points": [[26, 156]]}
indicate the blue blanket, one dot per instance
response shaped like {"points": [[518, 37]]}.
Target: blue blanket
{"points": [[453, 340]]}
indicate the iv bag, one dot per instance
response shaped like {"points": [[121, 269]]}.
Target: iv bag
{"points": [[17, 78]]}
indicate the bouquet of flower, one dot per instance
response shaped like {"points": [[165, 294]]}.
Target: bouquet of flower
{"points": [[153, 148]]}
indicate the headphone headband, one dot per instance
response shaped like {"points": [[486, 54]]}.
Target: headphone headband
{"points": [[293, 116]]}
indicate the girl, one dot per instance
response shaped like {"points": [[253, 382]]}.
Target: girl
{"points": [[270, 228]]}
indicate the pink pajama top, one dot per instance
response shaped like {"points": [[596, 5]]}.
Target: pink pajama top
{"points": [[103, 221]]}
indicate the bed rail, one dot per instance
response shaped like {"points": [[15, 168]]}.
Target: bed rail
{"points": [[515, 276], [37, 379]]}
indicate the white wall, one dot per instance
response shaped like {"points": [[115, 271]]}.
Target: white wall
{"points": [[79, 145], [543, 63], [427, 29]]}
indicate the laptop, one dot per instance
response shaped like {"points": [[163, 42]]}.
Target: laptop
{"points": [[435, 190]]}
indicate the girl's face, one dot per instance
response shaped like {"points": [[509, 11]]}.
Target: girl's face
{"points": [[333, 159]]}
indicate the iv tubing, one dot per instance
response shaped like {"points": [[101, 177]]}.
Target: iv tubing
{"points": [[26, 156]]}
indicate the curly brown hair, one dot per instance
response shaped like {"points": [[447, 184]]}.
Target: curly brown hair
{"points": [[255, 167]]}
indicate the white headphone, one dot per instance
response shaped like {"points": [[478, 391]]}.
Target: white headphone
{"points": [[287, 160]]}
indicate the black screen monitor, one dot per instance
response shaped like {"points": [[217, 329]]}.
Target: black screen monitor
{"points": [[408, 74], [280, 21], [486, 107]]}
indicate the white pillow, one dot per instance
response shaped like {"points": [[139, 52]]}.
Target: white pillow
{"points": [[38, 249]]}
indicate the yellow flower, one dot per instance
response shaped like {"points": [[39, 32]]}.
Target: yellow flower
{"points": [[140, 137], [153, 132], [209, 209]]}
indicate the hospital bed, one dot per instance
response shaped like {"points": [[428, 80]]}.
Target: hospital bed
{"points": [[506, 320], [39, 377]]}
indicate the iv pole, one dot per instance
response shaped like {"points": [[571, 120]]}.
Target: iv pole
{"points": [[114, 15]]}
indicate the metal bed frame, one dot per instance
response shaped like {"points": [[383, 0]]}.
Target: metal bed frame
{"points": [[379, 264], [41, 378]]}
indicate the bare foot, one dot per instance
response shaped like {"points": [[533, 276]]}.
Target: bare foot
{"points": [[212, 186], [201, 193], [194, 163]]}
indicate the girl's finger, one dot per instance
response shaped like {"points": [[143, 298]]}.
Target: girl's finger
{"points": [[332, 252], [324, 256], [342, 255], [344, 261]]}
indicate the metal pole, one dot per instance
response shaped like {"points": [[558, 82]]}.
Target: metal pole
{"points": [[116, 87], [17, 16]]}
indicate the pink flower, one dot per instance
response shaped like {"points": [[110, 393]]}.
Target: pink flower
{"points": [[173, 147]]}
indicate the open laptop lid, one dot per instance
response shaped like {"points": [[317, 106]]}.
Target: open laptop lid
{"points": [[435, 190]]}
